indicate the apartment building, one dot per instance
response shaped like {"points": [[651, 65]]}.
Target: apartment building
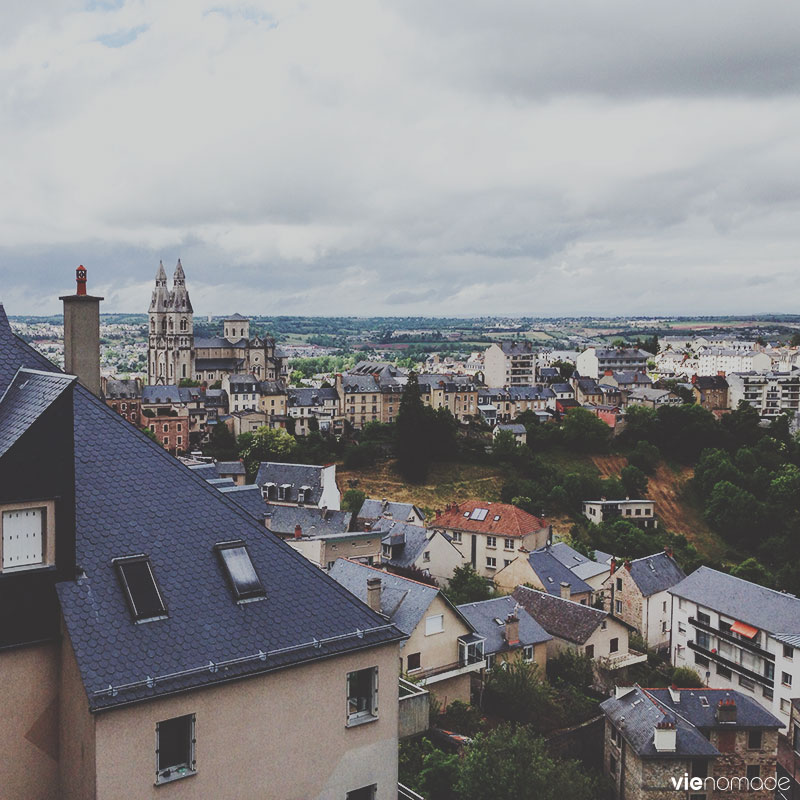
{"points": [[458, 394], [740, 635], [594, 361], [710, 391], [716, 360], [769, 393], [124, 397], [510, 363], [490, 534], [152, 634], [299, 484], [307, 404], [640, 512]]}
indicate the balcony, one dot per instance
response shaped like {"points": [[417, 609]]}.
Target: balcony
{"points": [[414, 709], [712, 655], [622, 660], [404, 793], [729, 637]]}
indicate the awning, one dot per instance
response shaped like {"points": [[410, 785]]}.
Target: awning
{"points": [[744, 630]]}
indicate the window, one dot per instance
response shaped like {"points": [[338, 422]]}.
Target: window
{"points": [[413, 661], [491, 541], [426, 556], [175, 749], [527, 652], [726, 741], [507, 561], [769, 670], [618, 607], [754, 740], [703, 640], [140, 588], [362, 695], [753, 771], [681, 628], [26, 541], [723, 672], [491, 562], [613, 645], [508, 544], [434, 624], [365, 793], [703, 618], [701, 661], [165, 428], [241, 573], [768, 694], [746, 683], [614, 735], [786, 706], [788, 651], [786, 679], [664, 626], [457, 537], [619, 584], [612, 765], [664, 606], [490, 661]]}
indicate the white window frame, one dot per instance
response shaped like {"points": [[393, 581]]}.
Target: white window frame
{"points": [[508, 544], [365, 715], [48, 516], [434, 624], [491, 541], [527, 653], [175, 772]]}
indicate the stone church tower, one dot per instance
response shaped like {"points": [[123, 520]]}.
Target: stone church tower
{"points": [[170, 352]]}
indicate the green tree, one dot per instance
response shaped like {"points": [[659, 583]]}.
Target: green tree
{"points": [[751, 569], [687, 678], [733, 511], [634, 481], [584, 432], [514, 764], [267, 444], [504, 445], [412, 447], [222, 443], [439, 775], [352, 500], [466, 586], [645, 456]]}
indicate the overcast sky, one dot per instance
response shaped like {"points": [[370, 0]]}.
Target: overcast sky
{"points": [[410, 157]]}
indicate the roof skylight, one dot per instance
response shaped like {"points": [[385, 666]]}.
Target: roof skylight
{"points": [[241, 573], [139, 585], [479, 514]]}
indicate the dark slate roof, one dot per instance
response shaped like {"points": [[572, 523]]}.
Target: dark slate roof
{"points": [[221, 483], [230, 468], [359, 383], [565, 619], [513, 427], [588, 385], [614, 353], [122, 389], [548, 372], [230, 364], [562, 388], [551, 572], [248, 498], [706, 382], [403, 601], [312, 522], [742, 600], [296, 475], [530, 392], [218, 341], [636, 715], [655, 573], [272, 387], [482, 617], [168, 393], [309, 396], [517, 348], [207, 471], [27, 397], [408, 541], [400, 512], [576, 562], [749, 712], [236, 318], [133, 497]]}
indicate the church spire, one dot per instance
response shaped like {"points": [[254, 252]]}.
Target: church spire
{"points": [[158, 302], [179, 296]]}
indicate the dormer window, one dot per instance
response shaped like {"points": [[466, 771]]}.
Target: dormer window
{"points": [[27, 536], [283, 491], [268, 491], [303, 494], [140, 588], [241, 573]]}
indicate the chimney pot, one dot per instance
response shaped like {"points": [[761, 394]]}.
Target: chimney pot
{"points": [[512, 628], [298, 532], [628, 566], [565, 590], [374, 594]]}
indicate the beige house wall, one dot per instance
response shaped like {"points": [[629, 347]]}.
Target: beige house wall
{"points": [[29, 726], [520, 572], [280, 735], [443, 559], [483, 550], [437, 649]]}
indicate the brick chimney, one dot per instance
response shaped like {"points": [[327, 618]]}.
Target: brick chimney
{"points": [[628, 565], [298, 532], [565, 590], [665, 737], [726, 710], [82, 334], [694, 378], [374, 594], [613, 566], [512, 628]]}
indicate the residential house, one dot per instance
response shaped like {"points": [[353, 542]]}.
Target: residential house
{"points": [[739, 635], [151, 633], [542, 570], [510, 363], [516, 429], [561, 391], [549, 375], [649, 397], [244, 393], [442, 650], [695, 743], [305, 404], [529, 398], [457, 393], [369, 398], [165, 411], [710, 391], [587, 390], [580, 628], [592, 571], [594, 361], [406, 546], [489, 534], [510, 633], [299, 484], [124, 397], [638, 592], [640, 512], [716, 360], [374, 510], [232, 469], [273, 398]]}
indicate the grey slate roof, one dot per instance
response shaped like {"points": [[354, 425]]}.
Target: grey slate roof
{"points": [[133, 497], [403, 601], [562, 388], [218, 341], [513, 427], [530, 392], [636, 715], [749, 712], [407, 541], [230, 364], [400, 512], [482, 617], [248, 498], [577, 563], [564, 619], [230, 468], [284, 519], [122, 389], [309, 396], [168, 393], [26, 398], [207, 471], [742, 600], [514, 348], [655, 573], [296, 475], [551, 572]]}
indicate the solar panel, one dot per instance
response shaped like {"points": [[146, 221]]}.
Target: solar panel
{"points": [[479, 514]]}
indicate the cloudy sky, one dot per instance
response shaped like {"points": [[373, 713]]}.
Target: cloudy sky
{"points": [[408, 157]]}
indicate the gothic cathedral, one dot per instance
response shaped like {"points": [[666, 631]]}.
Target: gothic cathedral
{"points": [[170, 352]]}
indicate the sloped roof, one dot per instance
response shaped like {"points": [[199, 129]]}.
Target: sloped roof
{"points": [[551, 572], [207, 471], [310, 396], [401, 512], [123, 389], [230, 468], [564, 619], [411, 538], [296, 475], [27, 397], [230, 364], [576, 562], [742, 600], [483, 615], [133, 497], [749, 712], [511, 520], [655, 573], [161, 393], [312, 521]]}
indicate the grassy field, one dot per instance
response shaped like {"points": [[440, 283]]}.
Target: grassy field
{"points": [[447, 482]]}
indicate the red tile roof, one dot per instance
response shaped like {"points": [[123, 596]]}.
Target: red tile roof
{"points": [[501, 519]]}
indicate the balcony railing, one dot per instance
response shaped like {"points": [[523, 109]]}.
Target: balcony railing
{"points": [[471, 664], [729, 637], [414, 711], [404, 793], [732, 665], [621, 660]]}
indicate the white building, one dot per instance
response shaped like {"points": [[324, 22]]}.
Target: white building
{"points": [[770, 393], [713, 360], [594, 361], [738, 635]]}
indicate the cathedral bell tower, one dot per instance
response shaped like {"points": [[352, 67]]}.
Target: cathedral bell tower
{"points": [[170, 351]]}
